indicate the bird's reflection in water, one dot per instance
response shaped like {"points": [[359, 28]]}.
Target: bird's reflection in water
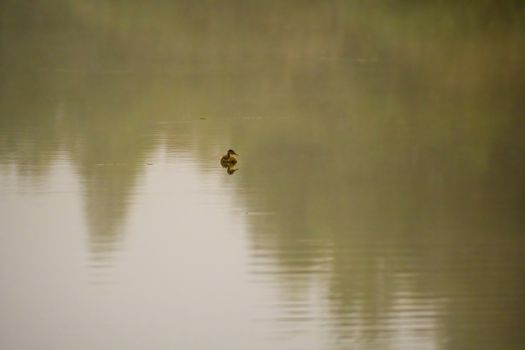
{"points": [[230, 168]]}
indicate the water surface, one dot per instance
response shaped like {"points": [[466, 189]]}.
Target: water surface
{"points": [[378, 201]]}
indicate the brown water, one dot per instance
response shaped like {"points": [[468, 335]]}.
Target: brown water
{"points": [[378, 201]]}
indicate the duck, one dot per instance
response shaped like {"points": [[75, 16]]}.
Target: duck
{"points": [[229, 159]]}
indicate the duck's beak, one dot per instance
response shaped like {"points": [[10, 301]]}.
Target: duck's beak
{"points": [[235, 153]]}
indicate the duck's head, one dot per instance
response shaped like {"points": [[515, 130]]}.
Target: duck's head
{"points": [[230, 152]]}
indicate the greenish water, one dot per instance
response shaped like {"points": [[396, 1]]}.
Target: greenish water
{"points": [[378, 201]]}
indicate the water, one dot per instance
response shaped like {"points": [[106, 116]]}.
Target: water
{"points": [[378, 201]]}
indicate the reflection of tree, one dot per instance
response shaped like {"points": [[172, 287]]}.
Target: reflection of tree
{"points": [[396, 155], [29, 130], [110, 141], [408, 195]]}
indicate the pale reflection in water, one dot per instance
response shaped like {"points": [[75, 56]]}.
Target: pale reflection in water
{"points": [[379, 204]]}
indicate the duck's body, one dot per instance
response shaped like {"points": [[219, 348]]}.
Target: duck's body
{"points": [[229, 158]]}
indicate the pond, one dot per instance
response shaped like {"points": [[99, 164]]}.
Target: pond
{"points": [[377, 201]]}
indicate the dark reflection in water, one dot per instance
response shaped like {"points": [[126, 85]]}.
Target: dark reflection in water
{"points": [[382, 175], [230, 169]]}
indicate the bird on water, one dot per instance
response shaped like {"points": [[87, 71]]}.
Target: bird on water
{"points": [[228, 161], [229, 158]]}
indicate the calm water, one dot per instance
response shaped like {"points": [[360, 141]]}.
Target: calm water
{"points": [[378, 201]]}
